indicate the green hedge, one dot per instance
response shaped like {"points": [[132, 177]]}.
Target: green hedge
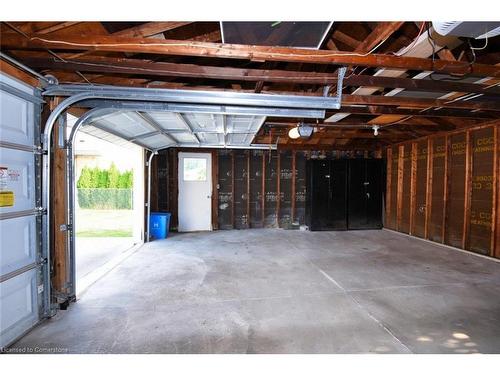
{"points": [[105, 199], [111, 178]]}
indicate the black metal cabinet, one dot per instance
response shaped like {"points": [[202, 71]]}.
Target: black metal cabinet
{"points": [[344, 194], [365, 194], [326, 204]]}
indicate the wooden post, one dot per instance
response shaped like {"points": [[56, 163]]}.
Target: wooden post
{"points": [[388, 188], [428, 184], [59, 206], [400, 187], [468, 190], [413, 186], [446, 186], [293, 184]]}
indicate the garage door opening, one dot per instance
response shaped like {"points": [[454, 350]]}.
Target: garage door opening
{"points": [[108, 211]]}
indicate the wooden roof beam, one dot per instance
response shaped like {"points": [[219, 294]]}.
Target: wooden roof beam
{"points": [[57, 27], [383, 110], [150, 29], [236, 51], [381, 32], [142, 67], [403, 101]]}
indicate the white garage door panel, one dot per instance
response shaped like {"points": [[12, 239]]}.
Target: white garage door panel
{"points": [[21, 268], [14, 121], [18, 306], [17, 171], [19, 236]]}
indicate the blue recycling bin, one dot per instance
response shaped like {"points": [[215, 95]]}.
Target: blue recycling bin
{"points": [[159, 224]]}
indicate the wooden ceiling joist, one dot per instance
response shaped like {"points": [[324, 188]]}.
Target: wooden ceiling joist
{"points": [[381, 110], [59, 26], [162, 69], [253, 53], [404, 101], [149, 29], [382, 31]]}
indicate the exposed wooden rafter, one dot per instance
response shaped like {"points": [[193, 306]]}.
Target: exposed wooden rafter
{"points": [[234, 51], [149, 29], [141, 67], [382, 31]]}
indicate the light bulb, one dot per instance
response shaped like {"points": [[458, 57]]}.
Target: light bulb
{"points": [[294, 133]]}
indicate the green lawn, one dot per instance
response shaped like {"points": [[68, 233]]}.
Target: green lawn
{"points": [[105, 233]]}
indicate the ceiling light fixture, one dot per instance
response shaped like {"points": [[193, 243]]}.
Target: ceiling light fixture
{"points": [[293, 133], [375, 129], [302, 130]]}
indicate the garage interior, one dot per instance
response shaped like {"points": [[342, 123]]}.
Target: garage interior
{"points": [[333, 186]]}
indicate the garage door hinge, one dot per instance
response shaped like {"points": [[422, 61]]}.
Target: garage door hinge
{"points": [[65, 227], [40, 211], [38, 150], [41, 262]]}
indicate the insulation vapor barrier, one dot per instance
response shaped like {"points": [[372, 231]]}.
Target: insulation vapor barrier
{"points": [[252, 188], [443, 189]]}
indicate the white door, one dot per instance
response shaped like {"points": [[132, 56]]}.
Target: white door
{"points": [[23, 282], [195, 191]]}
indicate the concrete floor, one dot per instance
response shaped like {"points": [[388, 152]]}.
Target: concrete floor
{"points": [[277, 291], [93, 252]]}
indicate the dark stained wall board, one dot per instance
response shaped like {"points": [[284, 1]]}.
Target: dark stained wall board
{"points": [[392, 214], [256, 158], [162, 180], [456, 197], [252, 188], [437, 196], [271, 189], [405, 208], [240, 189], [482, 191], [421, 189], [300, 188], [225, 191], [172, 190], [285, 176]]}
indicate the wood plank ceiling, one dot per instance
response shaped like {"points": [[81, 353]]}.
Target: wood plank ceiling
{"points": [[401, 76]]}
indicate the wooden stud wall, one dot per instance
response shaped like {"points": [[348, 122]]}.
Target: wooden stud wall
{"points": [[448, 183], [251, 188]]}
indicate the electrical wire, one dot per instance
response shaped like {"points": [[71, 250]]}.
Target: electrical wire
{"points": [[462, 77], [479, 48], [17, 30], [414, 41]]}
